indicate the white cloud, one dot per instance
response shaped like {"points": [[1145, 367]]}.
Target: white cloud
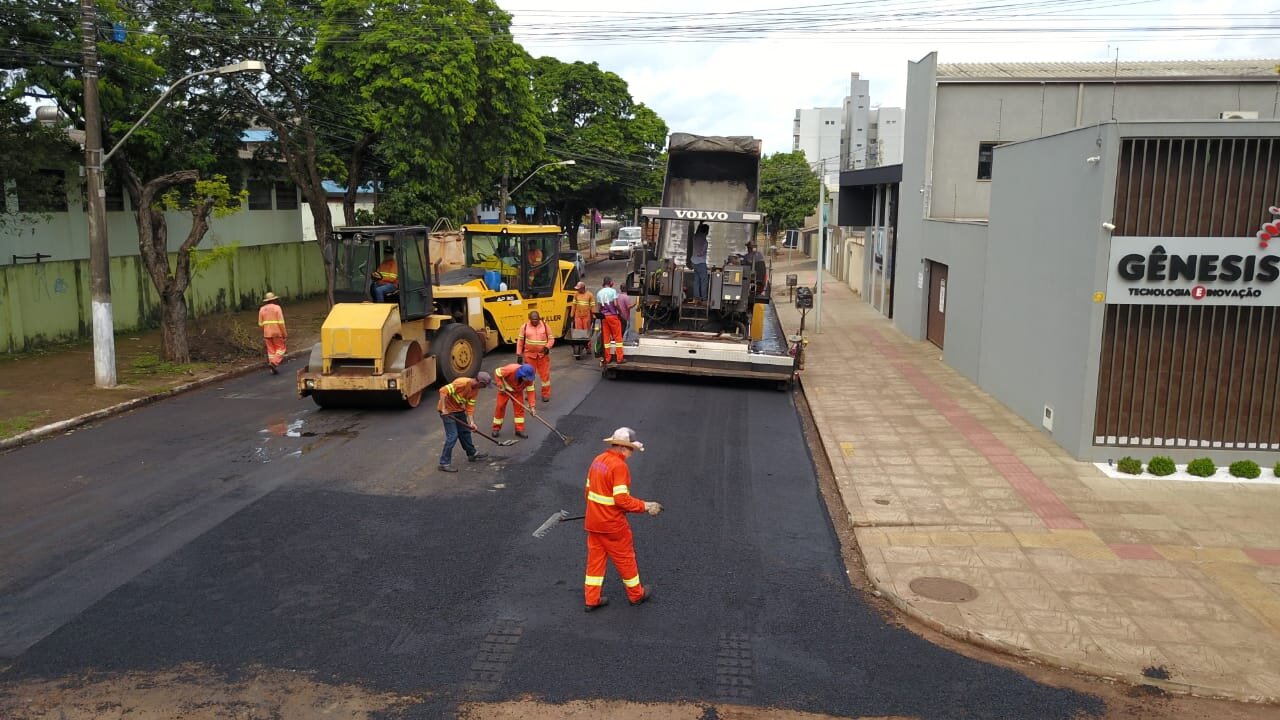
{"points": [[699, 84]]}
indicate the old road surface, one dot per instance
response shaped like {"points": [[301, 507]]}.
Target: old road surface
{"points": [[237, 548]]}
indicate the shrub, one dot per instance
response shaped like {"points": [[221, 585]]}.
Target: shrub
{"points": [[1276, 470], [1202, 467], [1129, 465], [1161, 466], [1244, 469]]}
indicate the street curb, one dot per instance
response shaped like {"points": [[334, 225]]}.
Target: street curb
{"points": [[886, 590], [35, 434]]}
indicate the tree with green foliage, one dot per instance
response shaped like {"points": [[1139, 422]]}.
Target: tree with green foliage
{"points": [[445, 86], [788, 190], [184, 140], [588, 115]]}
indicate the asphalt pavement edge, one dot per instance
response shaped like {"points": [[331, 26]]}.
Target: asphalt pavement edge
{"points": [[36, 434]]}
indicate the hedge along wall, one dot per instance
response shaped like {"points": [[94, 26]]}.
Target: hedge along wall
{"points": [[47, 302]]}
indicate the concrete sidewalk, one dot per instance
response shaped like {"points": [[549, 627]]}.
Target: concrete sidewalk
{"points": [[1174, 584]]}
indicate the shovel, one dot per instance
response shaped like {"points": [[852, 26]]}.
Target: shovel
{"points": [[555, 519], [492, 439], [538, 417]]}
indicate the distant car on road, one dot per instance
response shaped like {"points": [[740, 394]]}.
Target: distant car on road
{"points": [[620, 248], [576, 258], [631, 234]]}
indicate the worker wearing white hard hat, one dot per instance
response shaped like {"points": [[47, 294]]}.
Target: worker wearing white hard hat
{"points": [[609, 539]]}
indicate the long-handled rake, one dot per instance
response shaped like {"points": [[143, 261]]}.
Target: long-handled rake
{"points": [[538, 417], [555, 519], [492, 439]]}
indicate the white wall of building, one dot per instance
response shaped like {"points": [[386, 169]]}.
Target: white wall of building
{"points": [[887, 126], [817, 133], [857, 124]]}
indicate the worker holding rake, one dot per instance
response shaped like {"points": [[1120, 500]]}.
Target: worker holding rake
{"points": [[609, 538]]}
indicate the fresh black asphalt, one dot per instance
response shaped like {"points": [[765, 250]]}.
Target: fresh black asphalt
{"points": [[237, 527]]}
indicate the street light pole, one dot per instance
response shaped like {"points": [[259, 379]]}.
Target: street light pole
{"points": [[507, 194], [104, 342], [822, 245]]}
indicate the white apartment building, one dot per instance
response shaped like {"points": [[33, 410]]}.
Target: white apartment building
{"points": [[855, 135], [817, 132], [884, 137]]}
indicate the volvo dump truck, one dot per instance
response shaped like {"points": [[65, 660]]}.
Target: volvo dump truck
{"points": [[734, 330]]}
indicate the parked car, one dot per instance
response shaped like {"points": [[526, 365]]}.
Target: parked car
{"points": [[620, 248], [576, 258]]}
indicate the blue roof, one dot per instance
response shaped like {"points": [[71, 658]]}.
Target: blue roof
{"points": [[334, 188], [256, 136]]}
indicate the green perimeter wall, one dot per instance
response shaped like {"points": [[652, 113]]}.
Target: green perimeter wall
{"points": [[48, 302]]}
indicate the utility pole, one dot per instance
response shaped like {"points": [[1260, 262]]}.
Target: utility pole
{"points": [[503, 197], [104, 342], [822, 244]]}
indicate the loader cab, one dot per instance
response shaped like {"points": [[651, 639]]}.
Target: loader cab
{"points": [[359, 250], [525, 258]]}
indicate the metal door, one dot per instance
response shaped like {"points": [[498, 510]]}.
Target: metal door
{"points": [[936, 327]]}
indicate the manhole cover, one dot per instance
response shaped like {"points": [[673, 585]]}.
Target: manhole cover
{"points": [[943, 589]]}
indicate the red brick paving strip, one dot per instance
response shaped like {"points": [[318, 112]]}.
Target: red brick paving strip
{"points": [[1035, 493]]}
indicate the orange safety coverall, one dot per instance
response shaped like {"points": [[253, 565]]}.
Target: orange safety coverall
{"points": [[533, 343], [609, 500], [505, 378], [271, 320], [387, 270], [584, 308]]}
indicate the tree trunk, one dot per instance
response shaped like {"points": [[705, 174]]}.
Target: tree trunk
{"points": [[572, 228], [323, 222], [173, 328]]}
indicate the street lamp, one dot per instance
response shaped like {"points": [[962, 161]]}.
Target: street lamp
{"points": [[506, 194], [104, 344]]}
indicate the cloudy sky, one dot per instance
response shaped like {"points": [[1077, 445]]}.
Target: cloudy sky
{"points": [[710, 70]]}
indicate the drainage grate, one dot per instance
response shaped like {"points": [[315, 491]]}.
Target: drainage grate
{"points": [[943, 589]]}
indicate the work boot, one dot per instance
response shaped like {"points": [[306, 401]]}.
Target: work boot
{"points": [[477, 456], [521, 434], [603, 601], [274, 369], [546, 401], [496, 432], [648, 595], [448, 468]]}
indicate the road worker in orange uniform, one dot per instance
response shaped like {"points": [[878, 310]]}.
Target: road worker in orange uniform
{"points": [[457, 408], [274, 334], [584, 307], [609, 537], [386, 279], [513, 380], [584, 311], [533, 346]]}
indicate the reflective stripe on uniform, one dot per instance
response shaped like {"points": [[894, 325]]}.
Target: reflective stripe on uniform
{"points": [[621, 489], [453, 394], [270, 322], [598, 498], [595, 580], [632, 582]]}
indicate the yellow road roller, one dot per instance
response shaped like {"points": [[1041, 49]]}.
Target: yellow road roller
{"points": [[386, 340]]}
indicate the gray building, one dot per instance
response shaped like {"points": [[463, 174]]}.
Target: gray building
{"points": [[1004, 267]]}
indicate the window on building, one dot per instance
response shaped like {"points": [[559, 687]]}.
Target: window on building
{"points": [[986, 155], [43, 191], [286, 196], [259, 194]]}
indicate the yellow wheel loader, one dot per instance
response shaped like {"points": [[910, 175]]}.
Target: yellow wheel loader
{"points": [[510, 271], [388, 336]]}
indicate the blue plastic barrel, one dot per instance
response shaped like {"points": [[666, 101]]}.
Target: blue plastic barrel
{"points": [[492, 279]]}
